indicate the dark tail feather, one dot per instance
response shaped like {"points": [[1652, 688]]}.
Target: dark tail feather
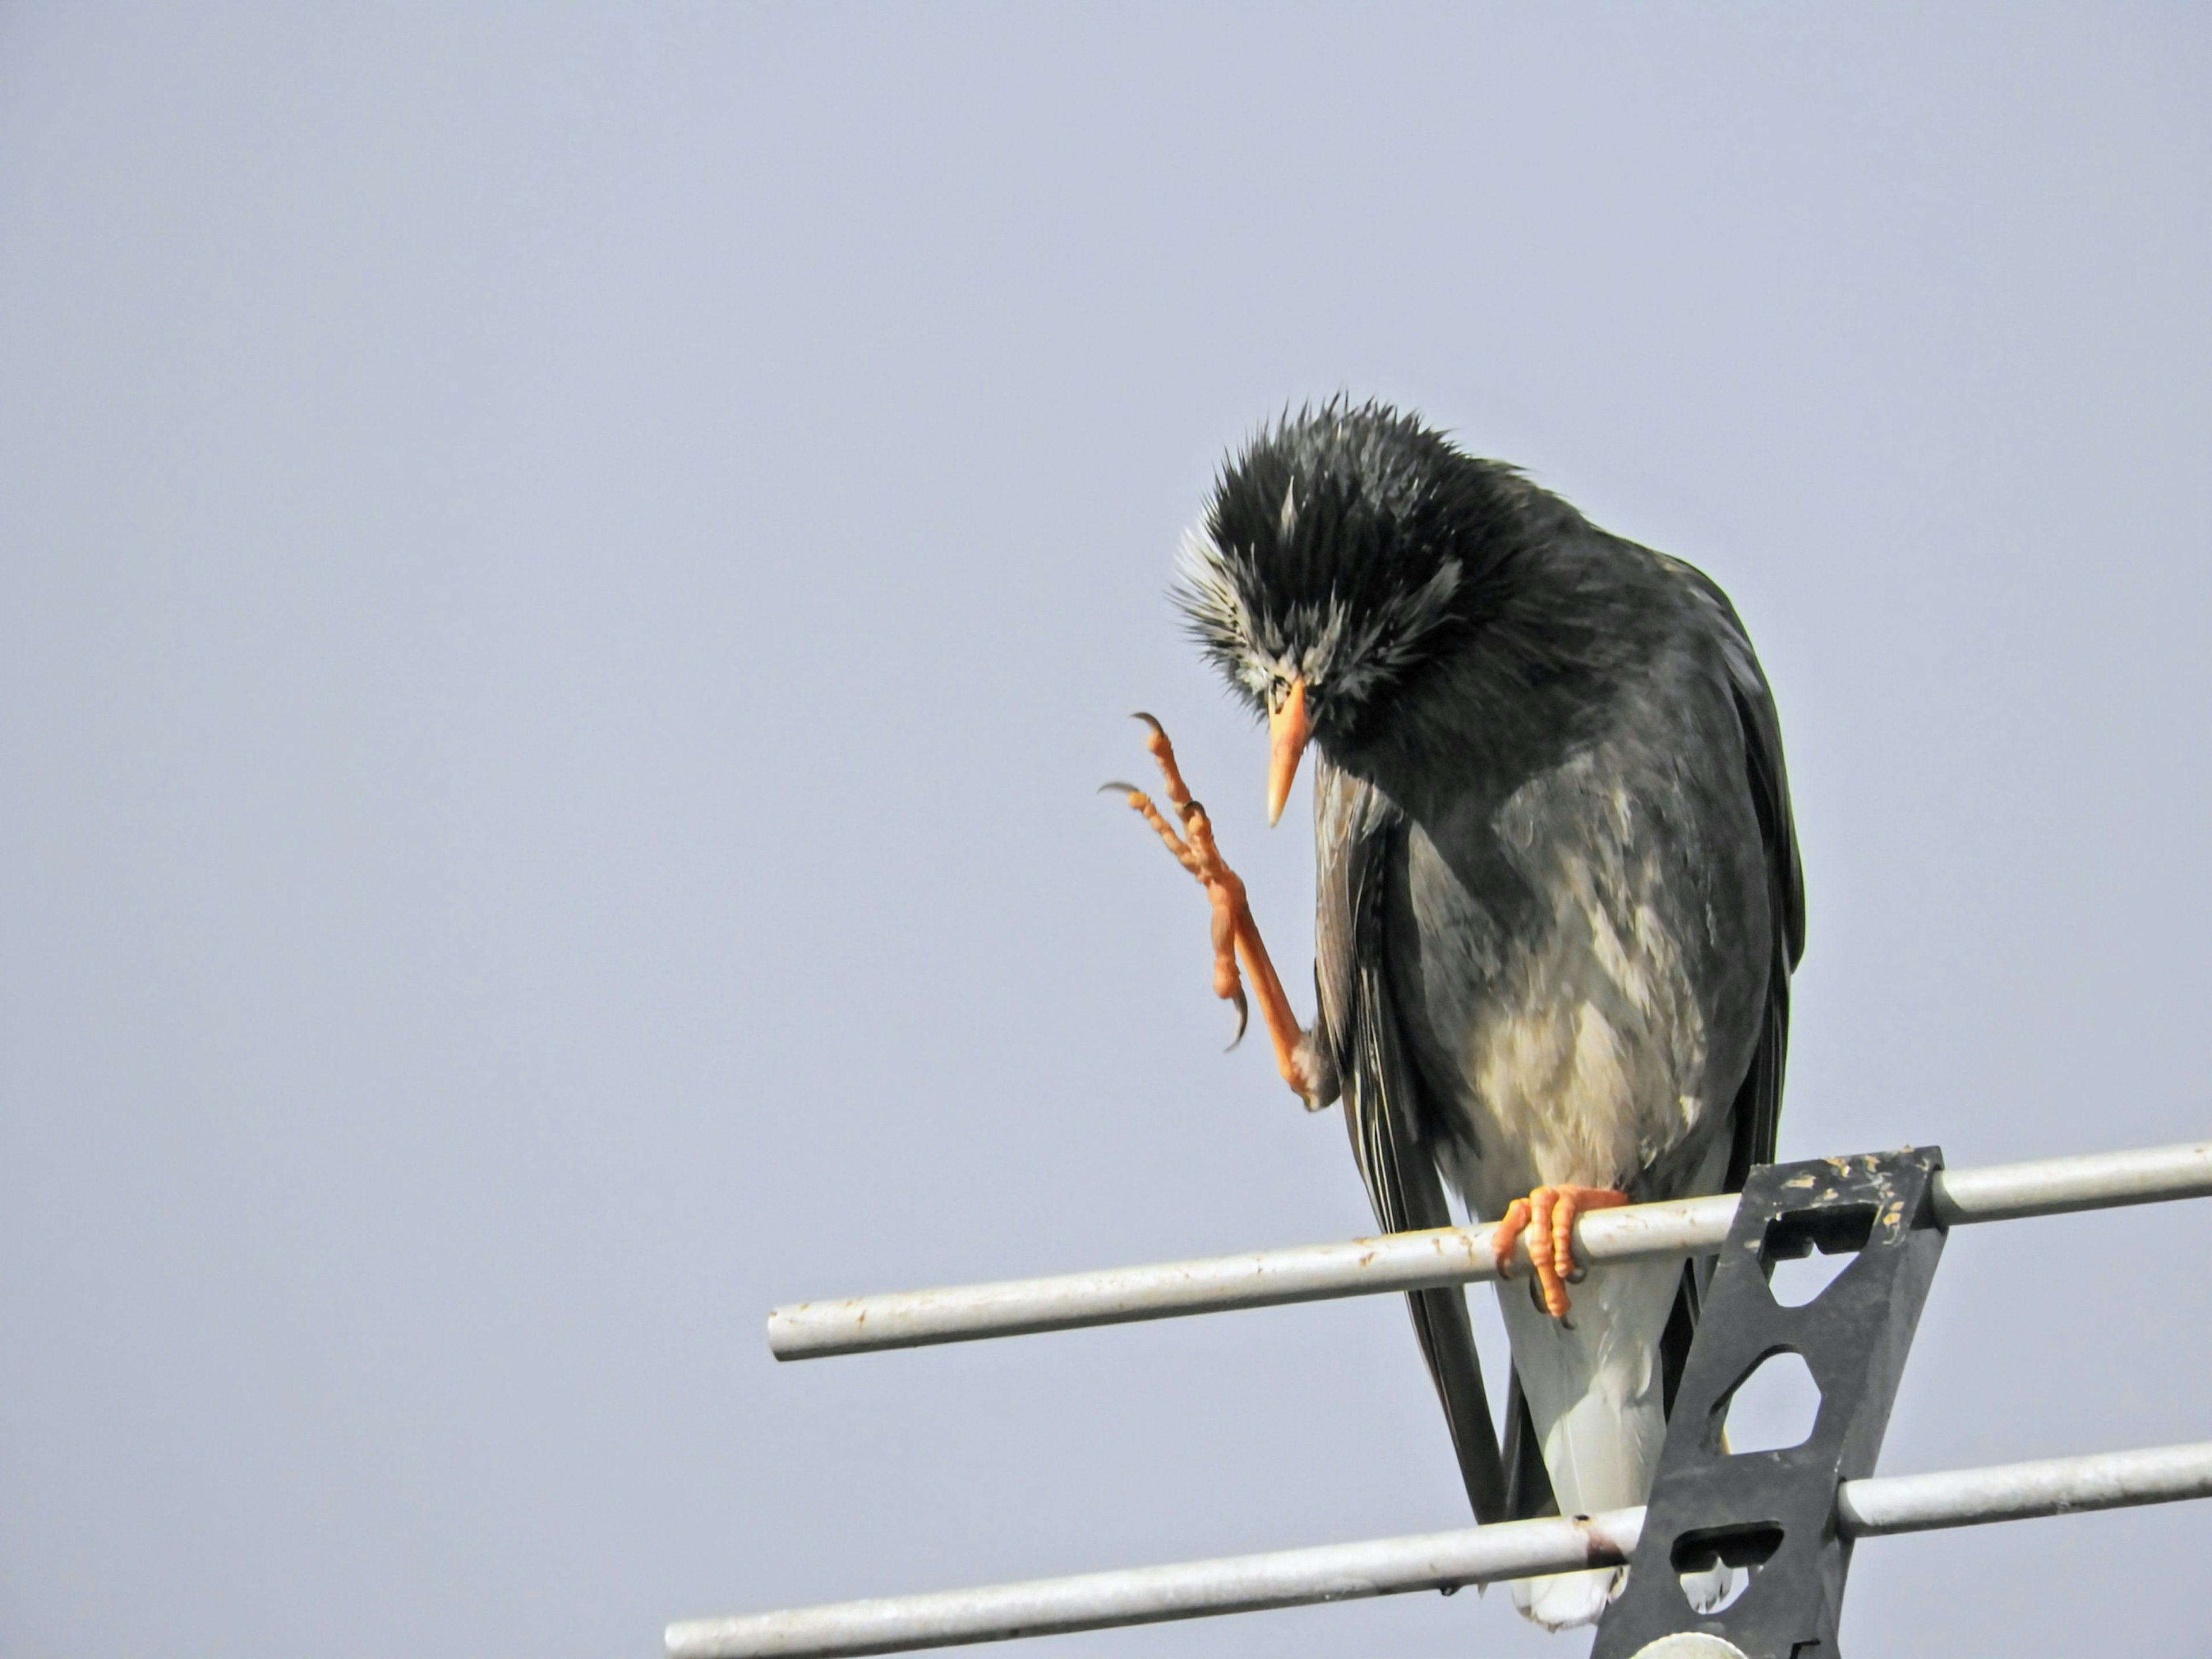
{"points": [[1408, 1195], [1681, 1328], [1440, 1320]]}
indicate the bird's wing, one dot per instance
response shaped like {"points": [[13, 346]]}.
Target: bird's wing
{"points": [[1758, 1098], [1757, 1109], [1355, 829]]}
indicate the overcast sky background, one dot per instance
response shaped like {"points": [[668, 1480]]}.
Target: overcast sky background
{"points": [[566, 579]]}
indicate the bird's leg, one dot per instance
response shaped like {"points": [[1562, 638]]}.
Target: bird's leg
{"points": [[1234, 933], [1548, 1215]]}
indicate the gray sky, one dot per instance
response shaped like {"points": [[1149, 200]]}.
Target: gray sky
{"points": [[566, 579]]}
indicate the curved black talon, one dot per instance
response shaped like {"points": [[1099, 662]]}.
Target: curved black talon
{"points": [[1158, 731], [1244, 1016], [1120, 788]]}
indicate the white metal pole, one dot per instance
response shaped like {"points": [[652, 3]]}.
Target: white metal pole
{"points": [[1143, 1595], [1472, 1555], [1406, 1261], [1305, 1272], [2023, 1492]]}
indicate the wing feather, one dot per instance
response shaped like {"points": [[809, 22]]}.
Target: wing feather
{"points": [[1758, 1100], [1353, 836], [1757, 1105], [1756, 1109]]}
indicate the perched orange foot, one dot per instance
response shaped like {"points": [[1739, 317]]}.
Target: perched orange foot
{"points": [[1234, 933], [1548, 1217]]}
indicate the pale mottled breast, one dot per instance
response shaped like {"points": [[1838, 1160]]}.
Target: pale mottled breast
{"points": [[1578, 961], [1601, 1039]]}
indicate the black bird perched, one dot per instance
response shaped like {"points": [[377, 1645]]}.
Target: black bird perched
{"points": [[1559, 901]]}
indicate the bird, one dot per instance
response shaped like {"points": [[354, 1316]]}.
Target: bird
{"points": [[1558, 904]]}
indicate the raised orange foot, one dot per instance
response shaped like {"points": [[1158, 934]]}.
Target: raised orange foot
{"points": [[1234, 933], [1548, 1215]]}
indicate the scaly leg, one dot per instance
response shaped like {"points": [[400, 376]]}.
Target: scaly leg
{"points": [[1235, 934], [1548, 1215]]}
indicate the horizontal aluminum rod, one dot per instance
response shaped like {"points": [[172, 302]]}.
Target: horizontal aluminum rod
{"points": [[1147, 1595], [1390, 1567], [1410, 1261], [2022, 1491], [1261, 1278]]}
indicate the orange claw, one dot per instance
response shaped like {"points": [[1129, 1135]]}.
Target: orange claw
{"points": [[1235, 934], [1548, 1215]]}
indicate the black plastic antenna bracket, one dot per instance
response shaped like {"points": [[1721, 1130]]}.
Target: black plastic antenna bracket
{"points": [[1773, 1512]]}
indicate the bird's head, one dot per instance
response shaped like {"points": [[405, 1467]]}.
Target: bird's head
{"points": [[1341, 552]]}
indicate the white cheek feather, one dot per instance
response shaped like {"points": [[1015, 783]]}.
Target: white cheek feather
{"points": [[1324, 640]]}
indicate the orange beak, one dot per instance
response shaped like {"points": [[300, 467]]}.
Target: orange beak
{"points": [[1286, 740]]}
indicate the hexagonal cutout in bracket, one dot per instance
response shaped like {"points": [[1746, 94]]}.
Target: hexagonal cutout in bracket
{"points": [[1773, 1409]]}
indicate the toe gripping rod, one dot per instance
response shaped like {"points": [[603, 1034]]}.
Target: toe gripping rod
{"points": [[1774, 1512]]}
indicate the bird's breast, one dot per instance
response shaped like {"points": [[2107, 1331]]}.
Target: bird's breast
{"points": [[1545, 960]]}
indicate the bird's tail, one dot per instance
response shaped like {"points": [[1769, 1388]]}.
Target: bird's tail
{"points": [[1596, 1400]]}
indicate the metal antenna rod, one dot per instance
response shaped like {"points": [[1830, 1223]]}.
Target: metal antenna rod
{"points": [[1874, 1508], [1408, 1261]]}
